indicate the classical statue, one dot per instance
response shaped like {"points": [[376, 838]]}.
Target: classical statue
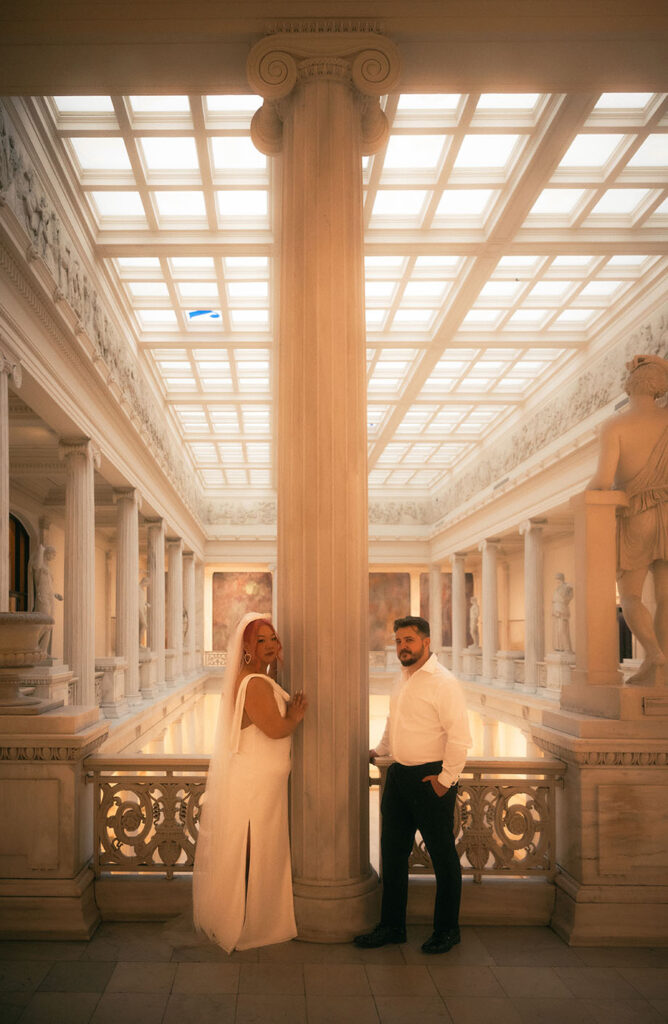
{"points": [[41, 596], [561, 614], [474, 621], [634, 458], [143, 611]]}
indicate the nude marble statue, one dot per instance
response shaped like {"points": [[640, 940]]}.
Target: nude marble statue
{"points": [[634, 458]]}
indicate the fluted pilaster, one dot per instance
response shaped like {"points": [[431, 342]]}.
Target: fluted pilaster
{"points": [[81, 460], [321, 111], [436, 607], [175, 605], [534, 619], [458, 612], [156, 597], [490, 607], [9, 371], [127, 584]]}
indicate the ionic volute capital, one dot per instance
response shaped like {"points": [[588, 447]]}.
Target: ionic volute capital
{"points": [[82, 447], [366, 61], [11, 367]]}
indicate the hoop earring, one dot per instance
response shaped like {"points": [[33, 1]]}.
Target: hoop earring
{"points": [[247, 658]]}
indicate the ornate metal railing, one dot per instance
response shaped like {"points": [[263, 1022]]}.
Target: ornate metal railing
{"points": [[505, 818], [147, 813]]}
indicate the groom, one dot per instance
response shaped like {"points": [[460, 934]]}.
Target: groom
{"points": [[427, 735]]}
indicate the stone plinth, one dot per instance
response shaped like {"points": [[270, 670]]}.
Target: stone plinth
{"points": [[559, 666], [469, 662], [505, 666], [46, 885], [612, 828], [49, 682], [172, 666], [148, 663], [113, 702]]}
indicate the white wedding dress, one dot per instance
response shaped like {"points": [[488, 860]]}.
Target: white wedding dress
{"points": [[246, 802]]}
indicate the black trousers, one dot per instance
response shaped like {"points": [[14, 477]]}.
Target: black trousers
{"points": [[408, 805]]}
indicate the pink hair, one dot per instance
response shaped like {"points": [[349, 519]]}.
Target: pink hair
{"points": [[250, 636]]}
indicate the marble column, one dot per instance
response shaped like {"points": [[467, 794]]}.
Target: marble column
{"points": [[534, 617], [458, 612], [321, 112], [414, 584], [9, 371], [175, 606], [189, 608], [490, 608], [127, 587], [156, 597], [436, 607], [199, 614], [274, 597], [81, 459]]}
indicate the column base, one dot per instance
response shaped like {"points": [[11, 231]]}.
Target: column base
{"points": [[336, 912], [601, 915], [62, 908]]}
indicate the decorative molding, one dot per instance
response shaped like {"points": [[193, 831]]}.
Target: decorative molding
{"points": [[22, 192], [51, 753], [587, 758]]}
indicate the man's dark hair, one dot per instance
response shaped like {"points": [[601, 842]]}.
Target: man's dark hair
{"points": [[412, 622]]}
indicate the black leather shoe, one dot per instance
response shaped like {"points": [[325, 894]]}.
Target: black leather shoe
{"points": [[441, 942], [382, 935]]}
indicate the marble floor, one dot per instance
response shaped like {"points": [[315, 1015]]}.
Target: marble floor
{"points": [[161, 974]]}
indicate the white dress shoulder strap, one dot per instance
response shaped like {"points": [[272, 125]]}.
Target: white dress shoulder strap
{"points": [[240, 700]]}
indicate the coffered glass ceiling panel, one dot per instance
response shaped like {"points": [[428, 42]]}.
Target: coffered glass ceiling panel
{"points": [[504, 233]]}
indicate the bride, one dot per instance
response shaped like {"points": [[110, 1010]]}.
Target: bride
{"points": [[242, 882]]}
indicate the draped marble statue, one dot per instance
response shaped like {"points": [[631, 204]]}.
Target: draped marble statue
{"points": [[561, 614], [634, 458], [41, 595]]}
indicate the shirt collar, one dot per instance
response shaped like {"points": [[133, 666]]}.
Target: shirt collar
{"points": [[430, 666]]}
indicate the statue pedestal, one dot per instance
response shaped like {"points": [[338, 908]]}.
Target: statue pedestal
{"points": [[46, 884], [612, 828], [505, 666], [147, 673], [559, 665], [470, 657], [113, 703]]}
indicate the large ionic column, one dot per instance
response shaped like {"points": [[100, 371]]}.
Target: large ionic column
{"points": [[127, 587], [490, 608], [458, 612], [81, 460], [8, 370], [321, 112], [156, 597], [189, 607], [534, 621], [175, 606], [436, 607]]}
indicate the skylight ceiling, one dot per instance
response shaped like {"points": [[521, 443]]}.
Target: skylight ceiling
{"points": [[503, 234]]}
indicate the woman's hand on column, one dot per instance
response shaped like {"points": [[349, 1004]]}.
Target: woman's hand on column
{"points": [[297, 707]]}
